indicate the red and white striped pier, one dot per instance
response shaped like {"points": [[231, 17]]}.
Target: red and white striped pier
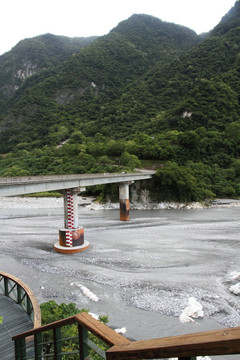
{"points": [[71, 237]]}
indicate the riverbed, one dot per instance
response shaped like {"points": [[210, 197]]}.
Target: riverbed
{"points": [[142, 272]]}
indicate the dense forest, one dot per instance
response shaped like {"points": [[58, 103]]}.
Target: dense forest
{"points": [[149, 94]]}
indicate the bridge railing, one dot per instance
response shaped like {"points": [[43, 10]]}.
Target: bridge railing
{"points": [[91, 339], [19, 292], [50, 178]]}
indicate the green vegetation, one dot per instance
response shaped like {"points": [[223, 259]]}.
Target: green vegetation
{"points": [[191, 165], [52, 312], [40, 56], [148, 92], [46, 194]]}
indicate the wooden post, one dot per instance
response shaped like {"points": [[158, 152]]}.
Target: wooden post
{"points": [[83, 349], [57, 343], [38, 346], [6, 291]]}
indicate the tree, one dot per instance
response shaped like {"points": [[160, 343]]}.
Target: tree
{"points": [[52, 312], [15, 171], [130, 161], [57, 134], [176, 182], [77, 137], [114, 147]]}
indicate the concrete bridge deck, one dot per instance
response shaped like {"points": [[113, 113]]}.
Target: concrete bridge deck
{"points": [[13, 186]]}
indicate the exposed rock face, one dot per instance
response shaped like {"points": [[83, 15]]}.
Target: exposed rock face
{"points": [[18, 76], [31, 56], [67, 95], [27, 70], [64, 96], [141, 199]]}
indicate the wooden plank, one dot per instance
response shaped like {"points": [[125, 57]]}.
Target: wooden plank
{"points": [[220, 342], [101, 330], [15, 320]]}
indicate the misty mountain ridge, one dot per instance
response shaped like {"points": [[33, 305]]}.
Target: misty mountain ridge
{"points": [[110, 62], [31, 56]]}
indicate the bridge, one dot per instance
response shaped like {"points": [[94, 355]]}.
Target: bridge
{"points": [[71, 237]]}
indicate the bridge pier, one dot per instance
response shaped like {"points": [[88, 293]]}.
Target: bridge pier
{"points": [[124, 200], [71, 237]]}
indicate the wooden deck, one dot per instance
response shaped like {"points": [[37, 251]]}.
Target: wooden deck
{"points": [[15, 321]]}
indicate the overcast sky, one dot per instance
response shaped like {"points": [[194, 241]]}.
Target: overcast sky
{"points": [[22, 19]]}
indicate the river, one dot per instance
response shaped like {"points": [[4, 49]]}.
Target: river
{"points": [[143, 271]]}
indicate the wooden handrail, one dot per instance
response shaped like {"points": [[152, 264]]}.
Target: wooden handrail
{"points": [[219, 342], [99, 329], [68, 321], [31, 296]]}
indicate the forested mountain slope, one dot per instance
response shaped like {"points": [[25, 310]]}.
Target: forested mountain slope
{"points": [[95, 75], [149, 92], [203, 81], [44, 53]]}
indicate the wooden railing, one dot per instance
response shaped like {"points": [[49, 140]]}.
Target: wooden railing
{"points": [[183, 347], [94, 340], [90, 339], [18, 291]]}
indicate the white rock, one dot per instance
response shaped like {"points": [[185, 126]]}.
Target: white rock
{"points": [[235, 289], [185, 318], [94, 316], [194, 310], [86, 292], [234, 275], [122, 330], [198, 358]]}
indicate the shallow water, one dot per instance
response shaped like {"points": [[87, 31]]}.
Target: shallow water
{"points": [[143, 271]]}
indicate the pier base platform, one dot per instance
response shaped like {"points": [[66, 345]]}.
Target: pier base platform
{"points": [[70, 250]]}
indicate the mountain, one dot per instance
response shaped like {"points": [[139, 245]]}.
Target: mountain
{"points": [[97, 73], [203, 81], [157, 39], [149, 92], [42, 54], [229, 21]]}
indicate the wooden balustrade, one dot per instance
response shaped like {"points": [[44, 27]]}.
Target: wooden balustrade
{"points": [[53, 349], [182, 347], [19, 292], [219, 342], [116, 347]]}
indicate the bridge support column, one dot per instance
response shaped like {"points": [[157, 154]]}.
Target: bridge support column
{"points": [[124, 200], [71, 238]]}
